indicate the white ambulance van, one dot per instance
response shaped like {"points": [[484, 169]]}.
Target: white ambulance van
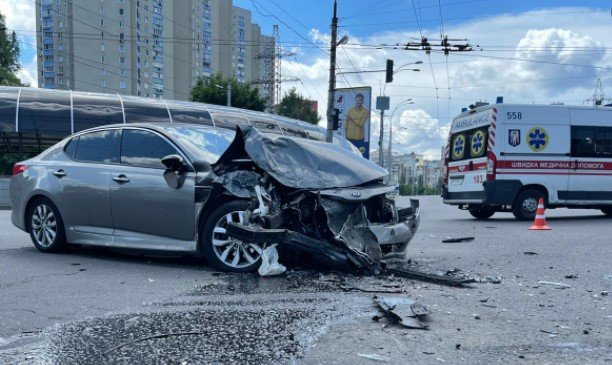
{"points": [[503, 158]]}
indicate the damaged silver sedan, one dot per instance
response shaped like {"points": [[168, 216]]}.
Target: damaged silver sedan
{"points": [[226, 195]]}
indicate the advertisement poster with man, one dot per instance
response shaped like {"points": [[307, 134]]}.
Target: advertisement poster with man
{"points": [[354, 122]]}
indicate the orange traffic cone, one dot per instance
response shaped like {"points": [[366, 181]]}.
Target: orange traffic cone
{"points": [[539, 224]]}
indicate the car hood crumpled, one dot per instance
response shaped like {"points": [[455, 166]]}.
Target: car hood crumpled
{"points": [[300, 163]]}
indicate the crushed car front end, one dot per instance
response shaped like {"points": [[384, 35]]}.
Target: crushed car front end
{"points": [[319, 203]]}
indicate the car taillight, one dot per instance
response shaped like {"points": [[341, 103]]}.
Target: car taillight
{"points": [[18, 169], [491, 166]]}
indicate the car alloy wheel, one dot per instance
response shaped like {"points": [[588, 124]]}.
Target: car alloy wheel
{"points": [[44, 225], [230, 251]]}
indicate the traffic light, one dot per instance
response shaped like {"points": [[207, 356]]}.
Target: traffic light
{"points": [[336, 119], [389, 71]]}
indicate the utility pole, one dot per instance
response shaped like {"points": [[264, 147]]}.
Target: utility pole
{"points": [[229, 94], [380, 140], [332, 76]]}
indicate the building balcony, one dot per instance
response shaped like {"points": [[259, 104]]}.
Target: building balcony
{"points": [[48, 52], [49, 86], [47, 41], [48, 63], [49, 74]]}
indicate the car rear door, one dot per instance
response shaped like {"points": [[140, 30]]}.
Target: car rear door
{"points": [[83, 181], [142, 202]]}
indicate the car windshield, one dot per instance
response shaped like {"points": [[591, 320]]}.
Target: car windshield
{"points": [[206, 144]]}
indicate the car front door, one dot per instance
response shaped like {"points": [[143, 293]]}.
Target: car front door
{"points": [[142, 201]]}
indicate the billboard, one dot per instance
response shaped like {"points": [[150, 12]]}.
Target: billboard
{"points": [[354, 105]]}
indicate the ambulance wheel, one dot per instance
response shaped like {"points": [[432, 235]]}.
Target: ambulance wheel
{"points": [[526, 204], [607, 211], [482, 213]]}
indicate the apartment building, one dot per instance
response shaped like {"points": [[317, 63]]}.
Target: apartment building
{"points": [[154, 48]]}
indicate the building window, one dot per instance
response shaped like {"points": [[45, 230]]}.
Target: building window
{"points": [[122, 48], [60, 47], [121, 11], [102, 71], [103, 83], [60, 58], [61, 81], [101, 10], [60, 24], [102, 47], [122, 60], [122, 84], [102, 59], [121, 23], [101, 22], [122, 72]]}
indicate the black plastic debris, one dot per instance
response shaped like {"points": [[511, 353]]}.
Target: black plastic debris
{"points": [[450, 280], [458, 239], [530, 253], [404, 312]]}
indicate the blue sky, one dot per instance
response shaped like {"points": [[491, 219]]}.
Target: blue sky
{"points": [[538, 51]]}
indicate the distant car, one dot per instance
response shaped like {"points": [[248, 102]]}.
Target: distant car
{"points": [[180, 187]]}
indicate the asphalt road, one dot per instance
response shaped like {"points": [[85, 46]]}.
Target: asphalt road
{"points": [[98, 306]]}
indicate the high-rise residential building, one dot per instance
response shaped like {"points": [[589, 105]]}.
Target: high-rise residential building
{"points": [[152, 48]]}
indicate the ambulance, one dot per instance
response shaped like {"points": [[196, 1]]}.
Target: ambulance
{"points": [[504, 157]]}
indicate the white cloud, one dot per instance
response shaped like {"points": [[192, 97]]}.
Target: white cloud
{"points": [[19, 14], [27, 74]]}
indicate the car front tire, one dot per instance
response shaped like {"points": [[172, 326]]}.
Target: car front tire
{"points": [[223, 252], [482, 213], [46, 226]]}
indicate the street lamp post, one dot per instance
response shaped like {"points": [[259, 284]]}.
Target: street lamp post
{"points": [[229, 92], [390, 158]]}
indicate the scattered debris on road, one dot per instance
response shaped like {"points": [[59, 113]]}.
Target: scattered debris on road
{"points": [[488, 280], [552, 283], [450, 278], [374, 357], [572, 276], [269, 262], [530, 253], [402, 311], [458, 239]]}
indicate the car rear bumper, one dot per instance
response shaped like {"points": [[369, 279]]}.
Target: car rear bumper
{"points": [[494, 193]]}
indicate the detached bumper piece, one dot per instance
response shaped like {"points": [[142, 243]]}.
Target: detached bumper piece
{"points": [[335, 257]]}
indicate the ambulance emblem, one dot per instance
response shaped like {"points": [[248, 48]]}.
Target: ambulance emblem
{"points": [[537, 139], [514, 137], [459, 147], [478, 143]]}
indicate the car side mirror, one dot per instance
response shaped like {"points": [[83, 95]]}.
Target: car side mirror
{"points": [[173, 162]]}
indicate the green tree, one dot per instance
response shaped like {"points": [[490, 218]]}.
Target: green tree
{"points": [[9, 56], [244, 96], [294, 105]]}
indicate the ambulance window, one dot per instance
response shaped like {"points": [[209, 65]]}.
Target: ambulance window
{"points": [[583, 141], [603, 142], [469, 144]]}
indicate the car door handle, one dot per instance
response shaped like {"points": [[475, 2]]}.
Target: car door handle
{"points": [[121, 179], [59, 173]]}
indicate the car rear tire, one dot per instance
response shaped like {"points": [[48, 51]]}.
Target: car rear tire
{"points": [[607, 211], [46, 226], [225, 253], [482, 213], [526, 204]]}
